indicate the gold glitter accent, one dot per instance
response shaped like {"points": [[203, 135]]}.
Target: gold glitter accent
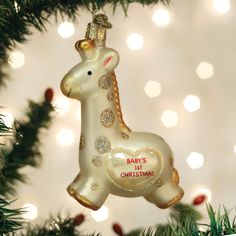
{"points": [[107, 118], [175, 177], [94, 187], [124, 135], [101, 34], [110, 96], [97, 28], [117, 104], [82, 199], [105, 82], [96, 161], [159, 183], [82, 142], [102, 145], [95, 32]]}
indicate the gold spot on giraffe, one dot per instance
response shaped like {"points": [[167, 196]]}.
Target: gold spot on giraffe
{"points": [[117, 104], [97, 161], [102, 145], [105, 82], [159, 183], [107, 118]]}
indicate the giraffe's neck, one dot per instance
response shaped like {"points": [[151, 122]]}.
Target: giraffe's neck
{"points": [[101, 113]]}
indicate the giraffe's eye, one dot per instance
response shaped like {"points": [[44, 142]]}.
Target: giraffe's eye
{"points": [[89, 72]]}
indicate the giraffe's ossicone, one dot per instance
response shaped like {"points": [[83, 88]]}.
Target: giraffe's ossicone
{"points": [[113, 159]]}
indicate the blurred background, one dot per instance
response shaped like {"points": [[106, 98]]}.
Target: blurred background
{"points": [[176, 78]]}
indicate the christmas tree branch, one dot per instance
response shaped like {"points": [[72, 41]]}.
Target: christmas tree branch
{"points": [[10, 220], [183, 221], [25, 146], [17, 17], [56, 226]]}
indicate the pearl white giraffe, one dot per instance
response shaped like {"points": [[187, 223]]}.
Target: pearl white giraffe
{"points": [[112, 158]]}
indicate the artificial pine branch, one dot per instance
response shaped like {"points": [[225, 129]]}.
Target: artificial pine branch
{"points": [[182, 222], [53, 227], [56, 226], [10, 220], [4, 130], [17, 17], [25, 146]]}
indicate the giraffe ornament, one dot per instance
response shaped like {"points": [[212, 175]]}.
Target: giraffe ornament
{"points": [[112, 158]]}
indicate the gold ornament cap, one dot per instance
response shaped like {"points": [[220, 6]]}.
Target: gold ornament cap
{"points": [[96, 30]]}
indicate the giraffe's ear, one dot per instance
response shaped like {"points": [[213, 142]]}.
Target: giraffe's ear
{"points": [[110, 60]]}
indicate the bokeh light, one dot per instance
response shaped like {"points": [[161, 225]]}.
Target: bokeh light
{"points": [[7, 118], [135, 41], [191, 103], [222, 6], [235, 148], [31, 211], [169, 118], [100, 215], [205, 70], [66, 29], [16, 59], [195, 160], [152, 89], [161, 17]]}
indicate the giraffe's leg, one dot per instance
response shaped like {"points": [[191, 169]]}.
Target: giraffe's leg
{"points": [[88, 191], [166, 195]]}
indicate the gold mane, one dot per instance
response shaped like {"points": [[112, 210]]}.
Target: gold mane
{"points": [[123, 126]]}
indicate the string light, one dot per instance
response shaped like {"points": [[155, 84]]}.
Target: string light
{"points": [[191, 103], [16, 59], [135, 41], [161, 17], [222, 6], [205, 70], [195, 160], [100, 215], [31, 211], [65, 137], [152, 89], [66, 29], [169, 118], [61, 105]]}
